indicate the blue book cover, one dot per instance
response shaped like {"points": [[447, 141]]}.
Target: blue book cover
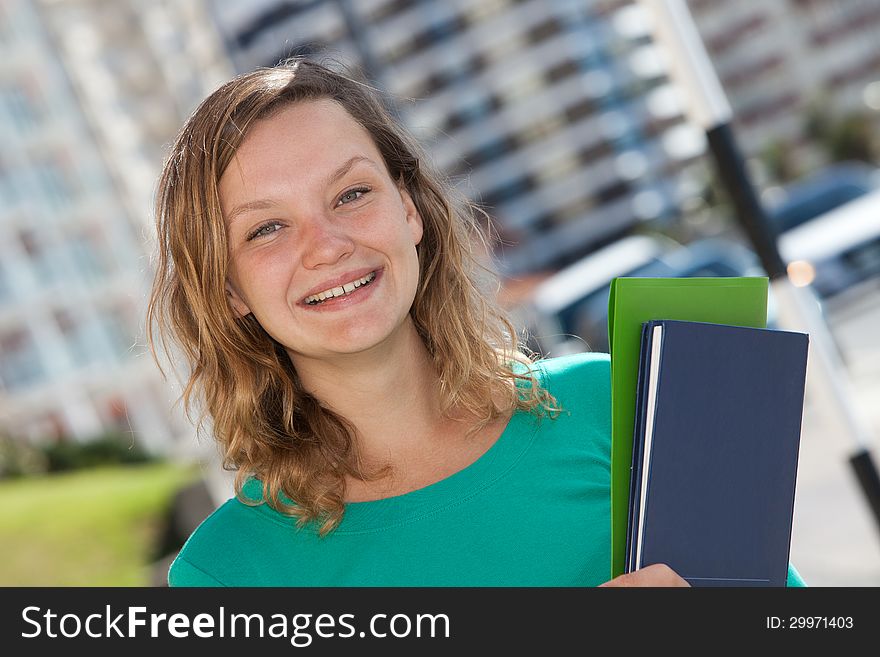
{"points": [[718, 428]]}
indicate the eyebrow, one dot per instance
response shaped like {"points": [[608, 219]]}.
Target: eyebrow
{"points": [[347, 166], [264, 204]]}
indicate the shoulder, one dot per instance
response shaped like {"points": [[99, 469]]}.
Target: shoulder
{"points": [[219, 536], [581, 385], [184, 573], [578, 379], [575, 368]]}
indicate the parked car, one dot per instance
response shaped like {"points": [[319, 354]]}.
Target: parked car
{"points": [[837, 249], [568, 312], [821, 192]]}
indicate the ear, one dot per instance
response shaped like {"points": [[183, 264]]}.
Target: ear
{"points": [[239, 307], [413, 218]]}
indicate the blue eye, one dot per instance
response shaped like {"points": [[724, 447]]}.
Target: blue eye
{"points": [[353, 195], [266, 229]]}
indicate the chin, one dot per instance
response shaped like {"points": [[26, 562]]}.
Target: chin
{"points": [[362, 337]]}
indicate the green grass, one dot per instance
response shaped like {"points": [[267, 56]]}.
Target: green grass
{"points": [[94, 527]]}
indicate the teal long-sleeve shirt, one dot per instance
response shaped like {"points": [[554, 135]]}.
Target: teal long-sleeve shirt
{"points": [[534, 510]]}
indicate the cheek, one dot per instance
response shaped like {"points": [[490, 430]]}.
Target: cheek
{"points": [[263, 281]]}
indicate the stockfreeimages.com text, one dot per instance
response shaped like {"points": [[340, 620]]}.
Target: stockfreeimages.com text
{"points": [[300, 629]]}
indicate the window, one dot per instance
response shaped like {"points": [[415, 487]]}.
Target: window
{"points": [[508, 190], [55, 181], [121, 327], [545, 30], [491, 150], [21, 106], [88, 258], [5, 289], [81, 336], [20, 363], [47, 267]]}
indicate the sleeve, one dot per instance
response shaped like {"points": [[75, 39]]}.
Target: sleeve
{"points": [[794, 578], [184, 573]]}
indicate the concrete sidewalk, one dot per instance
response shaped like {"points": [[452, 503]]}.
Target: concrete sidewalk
{"points": [[835, 538]]}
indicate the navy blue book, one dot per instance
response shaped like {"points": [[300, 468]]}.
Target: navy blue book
{"points": [[638, 445], [715, 451]]}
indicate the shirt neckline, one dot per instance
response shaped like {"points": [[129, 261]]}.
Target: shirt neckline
{"points": [[454, 489]]}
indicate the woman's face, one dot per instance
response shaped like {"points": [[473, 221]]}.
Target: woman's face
{"points": [[322, 241]]}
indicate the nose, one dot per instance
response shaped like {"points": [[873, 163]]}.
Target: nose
{"points": [[324, 243]]}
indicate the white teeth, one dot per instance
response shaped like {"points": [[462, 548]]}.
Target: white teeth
{"points": [[346, 288]]}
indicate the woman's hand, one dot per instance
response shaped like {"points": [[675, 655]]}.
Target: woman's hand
{"points": [[655, 575]]}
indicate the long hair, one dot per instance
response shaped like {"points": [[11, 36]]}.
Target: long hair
{"points": [[266, 424]]}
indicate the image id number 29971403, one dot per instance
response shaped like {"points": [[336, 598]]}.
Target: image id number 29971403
{"points": [[809, 622]]}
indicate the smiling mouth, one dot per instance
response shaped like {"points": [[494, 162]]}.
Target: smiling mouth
{"points": [[340, 291]]}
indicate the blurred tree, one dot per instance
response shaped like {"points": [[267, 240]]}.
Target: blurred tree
{"points": [[18, 458], [818, 121], [853, 138], [782, 165], [111, 448], [850, 136]]}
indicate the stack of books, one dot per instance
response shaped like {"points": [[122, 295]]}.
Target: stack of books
{"points": [[707, 407]]}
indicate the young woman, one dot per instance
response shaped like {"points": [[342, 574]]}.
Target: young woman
{"points": [[385, 429]]}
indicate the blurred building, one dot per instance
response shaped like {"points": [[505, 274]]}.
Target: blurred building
{"points": [[555, 115], [777, 59], [90, 93]]}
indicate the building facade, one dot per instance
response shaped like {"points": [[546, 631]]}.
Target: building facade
{"points": [[554, 115], [89, 96], [781, 60]]}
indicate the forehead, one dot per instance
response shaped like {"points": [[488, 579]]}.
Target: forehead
{"points": [[293, 149], [312, 131]]}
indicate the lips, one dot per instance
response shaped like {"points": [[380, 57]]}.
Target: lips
{"points": [[340, 286], [341, 290]]}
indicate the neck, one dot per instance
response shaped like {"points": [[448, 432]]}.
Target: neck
{"points": [[391, 394], [392, 397]]}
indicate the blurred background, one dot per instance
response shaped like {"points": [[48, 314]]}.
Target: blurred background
{"points": [[559, 117]]}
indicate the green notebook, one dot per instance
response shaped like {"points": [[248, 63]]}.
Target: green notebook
{"points": [[736, 301]]}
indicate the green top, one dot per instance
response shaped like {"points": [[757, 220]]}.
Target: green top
{"points": [[534, 510]]}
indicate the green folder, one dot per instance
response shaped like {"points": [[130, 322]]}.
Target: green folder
{"points": [[737, 301]]}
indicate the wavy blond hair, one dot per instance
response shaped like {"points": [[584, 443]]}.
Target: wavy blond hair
{"points": [[266, 424]]}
